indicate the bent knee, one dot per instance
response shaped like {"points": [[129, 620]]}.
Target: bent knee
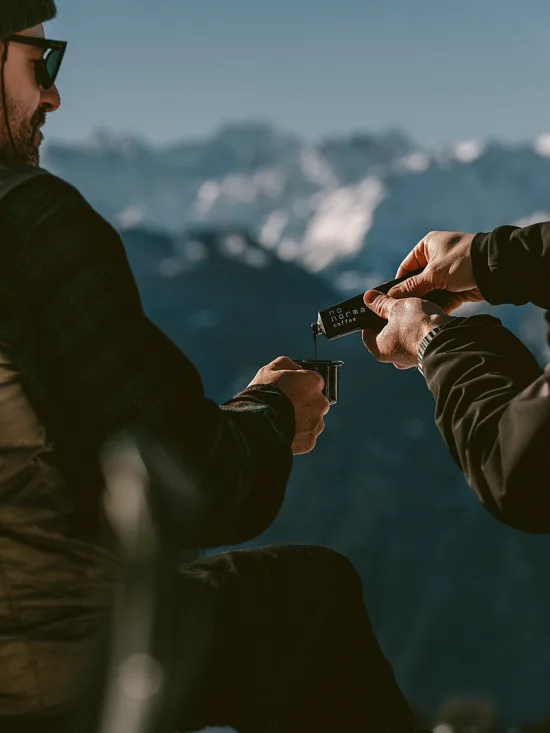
{"points": [[324, 564]]}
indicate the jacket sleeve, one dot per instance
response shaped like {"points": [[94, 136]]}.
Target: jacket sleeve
{"points": [[110, 370], [493, 411], [512, 265]]}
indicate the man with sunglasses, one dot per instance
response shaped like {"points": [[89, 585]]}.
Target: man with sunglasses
{"points": [[292, 647], [30, 63]]}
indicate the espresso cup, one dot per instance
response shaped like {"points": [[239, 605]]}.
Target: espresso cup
{"points": [[329, 370]]}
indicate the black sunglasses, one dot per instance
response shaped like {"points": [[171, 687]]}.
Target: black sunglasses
{"points": [[46, 68]]}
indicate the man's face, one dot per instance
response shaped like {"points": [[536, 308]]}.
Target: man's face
{"points": [[27, 102]]}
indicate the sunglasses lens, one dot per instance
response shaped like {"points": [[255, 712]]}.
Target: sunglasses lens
{"points": [[47, 69]]}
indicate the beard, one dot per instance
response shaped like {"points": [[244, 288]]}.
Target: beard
{"points": [[26, 148]]}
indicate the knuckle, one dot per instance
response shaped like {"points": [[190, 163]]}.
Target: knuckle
{"points": [[319, 380], [409, 306], [315, 380], [283, 362], [303, 443], [321, 407], [289, 363], [408, 285]]}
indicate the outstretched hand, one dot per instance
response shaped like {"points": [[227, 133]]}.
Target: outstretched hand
{"points": [[409, 321], [445, 261]]}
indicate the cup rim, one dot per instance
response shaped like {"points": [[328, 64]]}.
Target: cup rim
{"points": [[333, 362]]}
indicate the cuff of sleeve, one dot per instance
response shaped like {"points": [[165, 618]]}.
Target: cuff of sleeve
{"points": [[494, 257], [426, 341], [435, 337], [267, 395], [479, 254], [467, 343]]}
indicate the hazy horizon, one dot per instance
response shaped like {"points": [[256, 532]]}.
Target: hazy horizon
{"points": [[177, 70]]}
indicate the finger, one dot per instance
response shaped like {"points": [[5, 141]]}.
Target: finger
{"points": [[303, 443], [414, 261], [378, 303], [472, 296], [318, 407], [415, 286], [282, 363], [299, 446], [458, 299], [317, 379], [325, 405], [316, 410]]}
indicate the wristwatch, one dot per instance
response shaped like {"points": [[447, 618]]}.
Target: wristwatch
{"points": [[428, 338]]}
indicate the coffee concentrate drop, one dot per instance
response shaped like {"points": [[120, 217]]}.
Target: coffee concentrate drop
{"points": [[314, 331]]}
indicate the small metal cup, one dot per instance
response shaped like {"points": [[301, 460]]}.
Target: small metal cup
{"points": [[329, 370]]}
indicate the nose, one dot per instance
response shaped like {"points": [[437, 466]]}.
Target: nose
{"points": [[50, 98]]}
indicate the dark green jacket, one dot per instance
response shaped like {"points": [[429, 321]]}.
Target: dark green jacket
{"points": [[492, 398], [79, 363]]}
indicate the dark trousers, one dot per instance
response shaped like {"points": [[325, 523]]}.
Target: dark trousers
{"points": [[294, 650], [291, 647]]}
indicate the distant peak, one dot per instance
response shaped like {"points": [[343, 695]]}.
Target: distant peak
{"points": [[469, 150], [102, 139]]}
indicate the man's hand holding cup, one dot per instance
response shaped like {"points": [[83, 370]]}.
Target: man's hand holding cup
{"points": [[304, 388]]}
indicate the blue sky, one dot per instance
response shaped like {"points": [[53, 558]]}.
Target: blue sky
{"points": [[169, 69]]}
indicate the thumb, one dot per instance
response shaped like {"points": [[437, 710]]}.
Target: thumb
{"points": [[415, 286], [378, 303]]}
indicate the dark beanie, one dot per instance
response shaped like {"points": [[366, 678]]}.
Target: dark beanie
{"points": [[18, 15]]}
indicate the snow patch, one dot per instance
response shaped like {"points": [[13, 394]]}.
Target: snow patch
{"points": [[255, 258], [234, 245], [237, 246], [542, 145], [288, 249], [269, 182], [239, 188], [415, 162], [340, 224], [469, 150], [103, 141], [207, 196], [535, 218], [273, 228], [129, 218], [317, 170], [195, 251]]}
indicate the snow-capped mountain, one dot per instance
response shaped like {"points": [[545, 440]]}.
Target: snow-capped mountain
{"points": [[347, 207]]}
